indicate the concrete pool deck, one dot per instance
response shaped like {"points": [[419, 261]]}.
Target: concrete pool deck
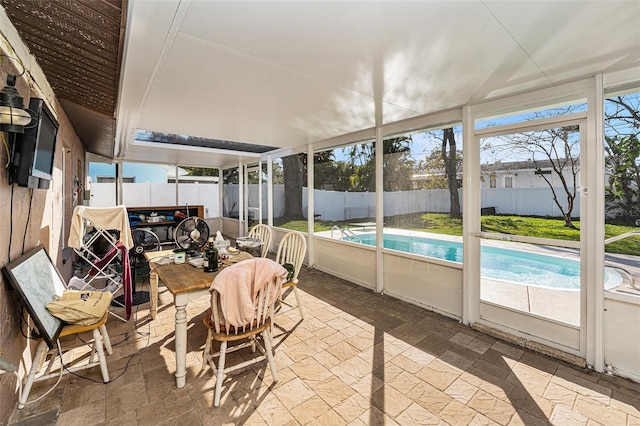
{"points": [[550, 303]]}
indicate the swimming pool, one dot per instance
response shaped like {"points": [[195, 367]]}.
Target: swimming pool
{"points": [[496, 263]]}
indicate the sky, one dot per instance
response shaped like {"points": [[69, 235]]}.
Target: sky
{"points": [[426, 142]]}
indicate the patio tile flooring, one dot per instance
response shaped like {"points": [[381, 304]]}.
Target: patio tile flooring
{"points": [[358, 358]]}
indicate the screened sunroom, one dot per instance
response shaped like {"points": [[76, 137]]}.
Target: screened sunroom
{"points": [[476, 160]]}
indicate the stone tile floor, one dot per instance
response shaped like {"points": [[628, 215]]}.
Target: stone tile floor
{"points": [[358, 358]]}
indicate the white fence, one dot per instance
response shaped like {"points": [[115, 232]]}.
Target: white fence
{"points": [[521, 202], [528, 201], [332, 205], [157, 195]]}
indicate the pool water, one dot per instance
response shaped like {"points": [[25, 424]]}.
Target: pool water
{"points": [[499, 263]]}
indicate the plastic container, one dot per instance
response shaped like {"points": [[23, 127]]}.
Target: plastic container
{"points": [[222, 245], [134, 219], [253, 246]]}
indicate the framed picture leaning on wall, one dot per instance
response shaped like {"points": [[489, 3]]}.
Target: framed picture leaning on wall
{"points": [[36, 281]]}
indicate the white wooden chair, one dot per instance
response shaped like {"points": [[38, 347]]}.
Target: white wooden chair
{"points": [[100, 338], [221, 331], [292, 249], [263, 233], [37, 282]]}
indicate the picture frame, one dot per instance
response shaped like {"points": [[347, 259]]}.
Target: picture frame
{"points": [[37, 281]]}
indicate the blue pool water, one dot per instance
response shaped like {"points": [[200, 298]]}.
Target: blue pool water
{"points": [[499, 263]]}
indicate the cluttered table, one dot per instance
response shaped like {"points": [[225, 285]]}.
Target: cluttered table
{"points": [[186, 283]]}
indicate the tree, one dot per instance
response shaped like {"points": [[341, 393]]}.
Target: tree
{"points": [[362, 159], [293, 175], [230, 175], [622, 115], [332, 174], [397, 164], [294, 171], [557, 148], [201, 171], [623, 163], [622, 160], [442, 166], [277, 174], [449, 157]]}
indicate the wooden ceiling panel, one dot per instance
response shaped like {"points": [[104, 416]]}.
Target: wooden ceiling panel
{"points": [[78, 45], [97, 131]]}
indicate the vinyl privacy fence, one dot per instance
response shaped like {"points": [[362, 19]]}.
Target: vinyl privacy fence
{"points": [[331, 205]]}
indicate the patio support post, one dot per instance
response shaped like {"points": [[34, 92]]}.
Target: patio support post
{"points": [[260, 191], [241, 206], [379, 211], [269, 191], [176, 186], [593, 221], [310, 206], [220, 213], [118, 184], [471, 220]]}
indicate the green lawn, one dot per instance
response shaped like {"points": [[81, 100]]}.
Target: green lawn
{"points": [[440, 223]]}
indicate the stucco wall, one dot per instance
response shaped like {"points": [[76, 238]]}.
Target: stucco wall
{"points": [[31, 217]]}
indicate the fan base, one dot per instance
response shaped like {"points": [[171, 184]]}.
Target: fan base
{"points": [[139, 297]]}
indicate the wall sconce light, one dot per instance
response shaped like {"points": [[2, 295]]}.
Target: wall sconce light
{"points": [[13, 116]]}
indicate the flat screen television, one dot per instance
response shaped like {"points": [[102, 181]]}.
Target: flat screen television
{"points": [[34, 151]]}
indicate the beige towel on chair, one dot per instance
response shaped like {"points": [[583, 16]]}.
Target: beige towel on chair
{"points": [[238, 284]]}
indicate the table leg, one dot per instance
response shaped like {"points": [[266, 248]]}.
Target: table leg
{"points": [[181, 340], [153, 281]]}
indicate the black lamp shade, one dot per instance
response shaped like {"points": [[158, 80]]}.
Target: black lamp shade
{"points": [[13, 116]]}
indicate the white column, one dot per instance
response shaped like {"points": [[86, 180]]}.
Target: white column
{"points": [[592, 226], [220, 191], [118, 184], [269, 190], [259, 191], [471, 220], [176, 187], [241, 206], [310, 206], [379, 211]]}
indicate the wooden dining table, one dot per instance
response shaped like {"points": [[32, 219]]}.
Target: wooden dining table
{"points": [[186, 283]]}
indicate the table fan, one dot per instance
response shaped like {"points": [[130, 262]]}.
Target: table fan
{"points": [[191, 234]]}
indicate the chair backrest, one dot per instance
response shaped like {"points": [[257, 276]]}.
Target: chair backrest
{"points": [[292, 249], [263, 304], [263, 233]]}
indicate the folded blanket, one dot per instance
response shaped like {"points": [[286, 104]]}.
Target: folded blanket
{"points": [[239, 284]]}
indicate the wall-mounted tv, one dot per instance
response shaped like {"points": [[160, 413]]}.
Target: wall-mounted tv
{"points": [[34, 151]]}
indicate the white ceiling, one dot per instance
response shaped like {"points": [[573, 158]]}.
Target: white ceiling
{"points": [[289, 73]]}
